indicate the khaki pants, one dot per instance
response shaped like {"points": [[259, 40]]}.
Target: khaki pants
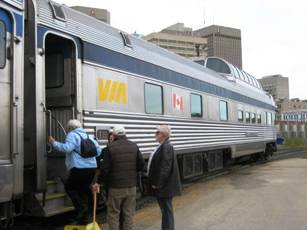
{"points": [[121, 199]]}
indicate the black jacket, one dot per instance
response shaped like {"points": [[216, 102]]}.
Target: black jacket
{"points": [[122, 160], [164, 173]]}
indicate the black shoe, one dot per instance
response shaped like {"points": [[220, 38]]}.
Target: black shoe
{"points": [[81, 217], [83, 221], [79, 221]]}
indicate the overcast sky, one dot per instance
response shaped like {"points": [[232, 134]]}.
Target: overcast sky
{"points": [[274, 32]]}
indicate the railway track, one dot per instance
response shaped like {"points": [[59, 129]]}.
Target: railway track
{"points": [[57, 222]]}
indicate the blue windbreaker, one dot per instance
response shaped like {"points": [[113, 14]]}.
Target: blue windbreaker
{"points": [[72, 149]]}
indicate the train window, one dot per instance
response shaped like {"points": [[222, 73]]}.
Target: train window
{"points": [[196, 106], [254, 81], [58, 11], [259, 118], [54, 70], [269, 118], [240, 116], [246, 76], [241, 75], [223, 111], [201, 62], [218, 65], [253, 118], [126, 39], [153, 99], [238, 73], [247, 117], [2, 45], [250, 79], [234, 71]]}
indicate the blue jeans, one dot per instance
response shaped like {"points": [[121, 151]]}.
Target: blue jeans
{"points": [[166, 208]]}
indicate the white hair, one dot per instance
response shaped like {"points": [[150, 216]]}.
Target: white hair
{"points": [[165, 129], [73, 124]]}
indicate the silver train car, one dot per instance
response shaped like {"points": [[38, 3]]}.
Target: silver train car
{"points": [[57, 64]]}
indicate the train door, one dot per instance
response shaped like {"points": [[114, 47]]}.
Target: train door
{"points": [[60, 88], [7, 114], [5, 103]]}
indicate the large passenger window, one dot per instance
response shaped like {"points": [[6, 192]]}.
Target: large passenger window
{"points": [[218, 65], [223, 111], [2, 44], [153, 99], [196, 106]]}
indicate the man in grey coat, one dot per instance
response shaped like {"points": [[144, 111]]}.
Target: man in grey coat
{"points": [[164, 176]]}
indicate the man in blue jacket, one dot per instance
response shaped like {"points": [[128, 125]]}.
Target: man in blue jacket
{"points": [[81, 170]]}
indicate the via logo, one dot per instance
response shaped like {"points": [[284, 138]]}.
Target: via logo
{"points": [[112, 91]]}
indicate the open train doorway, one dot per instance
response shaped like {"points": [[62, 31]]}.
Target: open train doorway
{"points": [[60, 83]]}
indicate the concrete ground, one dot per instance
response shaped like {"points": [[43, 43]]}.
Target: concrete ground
{"points": [[264, 197]]}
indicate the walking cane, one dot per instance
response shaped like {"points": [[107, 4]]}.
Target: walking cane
{"points": [[94, 225]]}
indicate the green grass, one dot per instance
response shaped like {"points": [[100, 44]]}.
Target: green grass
{"points": [[295, 142]]}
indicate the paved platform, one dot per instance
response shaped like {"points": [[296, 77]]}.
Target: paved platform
{"points": [[264, 197]]}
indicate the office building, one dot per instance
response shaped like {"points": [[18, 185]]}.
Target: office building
{"points": [[223, 42], [180, 40], [276, 85], [100, 14]]}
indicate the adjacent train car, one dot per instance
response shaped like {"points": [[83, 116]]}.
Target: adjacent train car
{"points": [[57, 64]]}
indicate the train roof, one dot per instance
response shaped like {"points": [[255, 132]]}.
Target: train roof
{"points": [[91, 30], [227, 69]]}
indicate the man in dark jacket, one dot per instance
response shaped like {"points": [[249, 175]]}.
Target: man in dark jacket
{"points": [[121, 163], [164, 176]]}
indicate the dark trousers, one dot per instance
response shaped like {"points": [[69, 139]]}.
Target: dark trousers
{"points": [[78, 189], [166, 208]]}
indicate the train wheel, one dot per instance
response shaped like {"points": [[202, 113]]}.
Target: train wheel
{"points": [[255, 157], [266, 156]]}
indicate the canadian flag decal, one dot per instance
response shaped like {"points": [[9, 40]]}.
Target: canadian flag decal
{"points": [[177, 102]]}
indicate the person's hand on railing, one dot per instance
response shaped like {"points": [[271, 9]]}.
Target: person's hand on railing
{"points": [[50, 140]]}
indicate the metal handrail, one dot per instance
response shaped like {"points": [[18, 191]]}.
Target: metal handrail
{"points": [[50, 129], [49, 112]]}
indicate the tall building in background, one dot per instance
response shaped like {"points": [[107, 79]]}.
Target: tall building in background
{"points": [[180, 40], [276, 85], [223, 42], [100, 14]]}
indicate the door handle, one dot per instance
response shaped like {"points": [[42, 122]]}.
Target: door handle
{"points": [[44, 106], [50, 129], [15, 149]]}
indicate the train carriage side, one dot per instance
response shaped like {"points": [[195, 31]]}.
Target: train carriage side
{"points": [[204, 126], [11, 109], [78, 67], [125, 80]]}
